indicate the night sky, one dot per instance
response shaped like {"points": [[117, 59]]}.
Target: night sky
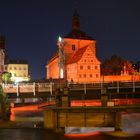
{"points": [[32, 28]]}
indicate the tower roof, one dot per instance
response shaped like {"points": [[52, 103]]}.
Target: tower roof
{"points": [[76, 21], [75, 13], [76, 33]]}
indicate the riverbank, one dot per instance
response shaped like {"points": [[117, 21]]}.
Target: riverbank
{"points": [[14, 124], [7, 124], [119, 133], [10, 126]]}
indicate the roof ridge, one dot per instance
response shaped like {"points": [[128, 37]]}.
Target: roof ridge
{"points": [[77, 55]]}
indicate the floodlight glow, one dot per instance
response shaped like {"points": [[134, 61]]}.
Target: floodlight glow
{"points": [[59, 39], [17, 80], [61, 73]]}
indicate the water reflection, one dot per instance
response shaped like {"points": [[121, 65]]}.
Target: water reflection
{"points": [[28, 134], [30, 119], [42, 134]]}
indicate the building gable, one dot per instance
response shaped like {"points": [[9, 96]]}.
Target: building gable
{"points": [[89, 56], [85, 54]]}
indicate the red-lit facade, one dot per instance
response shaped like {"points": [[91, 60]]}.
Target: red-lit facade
{"points": [[77, 61]]}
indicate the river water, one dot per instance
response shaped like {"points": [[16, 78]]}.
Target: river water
{"points": [[42, 134], [32, 121]]}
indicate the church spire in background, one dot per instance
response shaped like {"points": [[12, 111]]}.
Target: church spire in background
{"points": [[76, 32], [76, 18]]}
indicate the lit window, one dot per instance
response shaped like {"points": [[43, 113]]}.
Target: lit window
{"points": [[73, 47]]}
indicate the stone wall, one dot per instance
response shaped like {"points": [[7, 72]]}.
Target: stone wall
{"points": [[125, 78]]}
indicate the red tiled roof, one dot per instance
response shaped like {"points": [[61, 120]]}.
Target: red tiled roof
{"points": [[77, 56], [54, 57]]}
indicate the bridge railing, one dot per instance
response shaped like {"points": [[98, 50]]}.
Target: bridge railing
{"points": [[28, 88], [101, 86], [44, 87], [50, 87], [9, 88]]}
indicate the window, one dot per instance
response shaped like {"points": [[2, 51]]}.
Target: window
{"points": [[90, 75], [96, 67], [85, 60], [80, 75], [19, 68], [10, 68], [5, 68], [24, 68], [88, 67], [15, 68], [84, 75], [97, 76], [81, 67], [73, 47]]}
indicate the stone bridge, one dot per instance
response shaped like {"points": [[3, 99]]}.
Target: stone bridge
{"points": [[57, 118]]}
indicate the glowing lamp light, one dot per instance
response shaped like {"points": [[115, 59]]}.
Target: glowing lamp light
{"points": [[59, 39], [17, 80], [61, 73]]}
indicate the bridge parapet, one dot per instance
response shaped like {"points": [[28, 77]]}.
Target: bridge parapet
{"points": [[59, 117]]}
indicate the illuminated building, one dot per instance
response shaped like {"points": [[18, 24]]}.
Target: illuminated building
{"points": [[18, 69], [2, 54], [75, 59]]}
